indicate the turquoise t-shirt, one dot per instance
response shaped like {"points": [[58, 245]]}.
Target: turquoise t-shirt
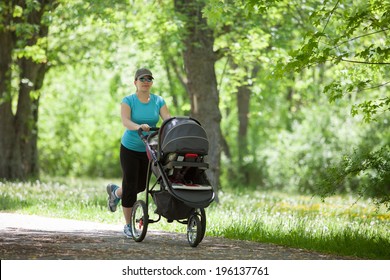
{"points": [[141, 113]]}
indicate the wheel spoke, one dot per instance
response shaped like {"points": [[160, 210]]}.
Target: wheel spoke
{"points": [[139, 219]]}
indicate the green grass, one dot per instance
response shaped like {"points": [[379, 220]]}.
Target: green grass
{"points": [[340, 225]]}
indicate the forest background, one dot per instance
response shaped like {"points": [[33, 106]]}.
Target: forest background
{"points": [[293, 94]]}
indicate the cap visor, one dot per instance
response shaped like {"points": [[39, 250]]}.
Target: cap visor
{"points": [[144, 75]]}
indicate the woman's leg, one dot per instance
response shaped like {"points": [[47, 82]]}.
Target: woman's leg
{"points": [[134, 169]]}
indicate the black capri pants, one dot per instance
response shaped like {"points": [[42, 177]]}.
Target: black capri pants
{"points": [[134, 175]]}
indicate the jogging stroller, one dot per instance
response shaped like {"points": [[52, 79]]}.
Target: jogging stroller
{"points": [[176, 153]]}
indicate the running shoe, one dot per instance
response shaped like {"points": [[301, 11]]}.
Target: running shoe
{"points": [[127, 231], [113, 200]]}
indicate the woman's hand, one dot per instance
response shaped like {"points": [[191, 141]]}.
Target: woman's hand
{"points": [[144, 127]]}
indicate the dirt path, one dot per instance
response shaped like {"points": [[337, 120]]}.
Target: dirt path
{"points": [[32, 237]]}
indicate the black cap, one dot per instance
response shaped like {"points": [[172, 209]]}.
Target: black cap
{"points": [[142, 72]]}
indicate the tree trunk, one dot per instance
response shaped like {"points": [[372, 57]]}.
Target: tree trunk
{"points": [[199, 62], [24, 155], [243, 104], [243, 98], [7, 42], [19, 134]]}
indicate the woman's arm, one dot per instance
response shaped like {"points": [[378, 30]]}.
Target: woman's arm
{"points": [[126, 119], [164, 112]]}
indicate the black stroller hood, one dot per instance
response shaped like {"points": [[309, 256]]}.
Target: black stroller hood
{"points": [[182, 135]]}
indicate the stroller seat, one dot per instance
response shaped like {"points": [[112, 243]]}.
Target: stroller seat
{"points": [[187, 172]]}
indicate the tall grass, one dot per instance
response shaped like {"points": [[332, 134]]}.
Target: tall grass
{"points": [[340, 225]]}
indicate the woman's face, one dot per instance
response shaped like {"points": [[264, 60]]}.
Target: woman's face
{"points": [[144, 83]]}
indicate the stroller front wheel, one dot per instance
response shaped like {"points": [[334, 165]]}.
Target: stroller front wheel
{"points": [[139, 220], [194, 230], [202, 216]]}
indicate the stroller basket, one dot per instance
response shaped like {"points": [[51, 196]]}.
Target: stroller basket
{"points": [[170, 207]]}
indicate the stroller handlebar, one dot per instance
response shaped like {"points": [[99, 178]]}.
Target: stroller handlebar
{"points": [[144, 137]]}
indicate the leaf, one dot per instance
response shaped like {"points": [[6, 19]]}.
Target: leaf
{"points": [[334, 91], [18, 11]]}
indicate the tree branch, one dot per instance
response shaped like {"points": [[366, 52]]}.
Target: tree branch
{"points": [[365, 62], [330, 15], [361, 36], [373, 87]]}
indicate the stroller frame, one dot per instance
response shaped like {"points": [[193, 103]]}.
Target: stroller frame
{"points": [[174, 199]]}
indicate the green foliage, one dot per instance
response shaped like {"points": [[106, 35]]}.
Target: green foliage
{"points": [[371, 108], [296, 158], [87, 32], [368, 164], [335, 155], [92, 59], [349, 45], [80, 133], [351, 35], [366, 170]]}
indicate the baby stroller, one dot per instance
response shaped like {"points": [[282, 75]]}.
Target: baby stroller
{"points": [[176, 153]]}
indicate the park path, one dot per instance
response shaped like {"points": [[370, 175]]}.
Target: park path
{"points": [[33, 237]]}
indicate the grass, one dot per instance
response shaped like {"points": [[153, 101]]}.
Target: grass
{"points": [[340, 225]]}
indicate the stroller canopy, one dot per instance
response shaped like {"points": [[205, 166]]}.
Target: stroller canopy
{"points": [[182, 135]]}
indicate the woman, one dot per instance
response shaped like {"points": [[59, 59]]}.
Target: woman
{"points": [[139, 110]]}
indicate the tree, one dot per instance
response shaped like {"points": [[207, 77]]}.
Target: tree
{"points": [[27, 50], [199, 62], [23, 31]]}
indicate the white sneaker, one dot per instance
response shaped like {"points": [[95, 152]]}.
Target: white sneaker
{"points": [[127, 231], [113, 200]]}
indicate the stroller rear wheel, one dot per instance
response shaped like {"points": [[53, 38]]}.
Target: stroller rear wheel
{"points": [[194, 230], [139, 220]]}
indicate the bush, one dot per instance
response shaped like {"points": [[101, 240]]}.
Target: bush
{"points": [[296, 158], [366, 170]]}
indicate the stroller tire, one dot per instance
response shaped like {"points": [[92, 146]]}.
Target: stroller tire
{"points": [[194, 230], [139, 220], [202, 216]]}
